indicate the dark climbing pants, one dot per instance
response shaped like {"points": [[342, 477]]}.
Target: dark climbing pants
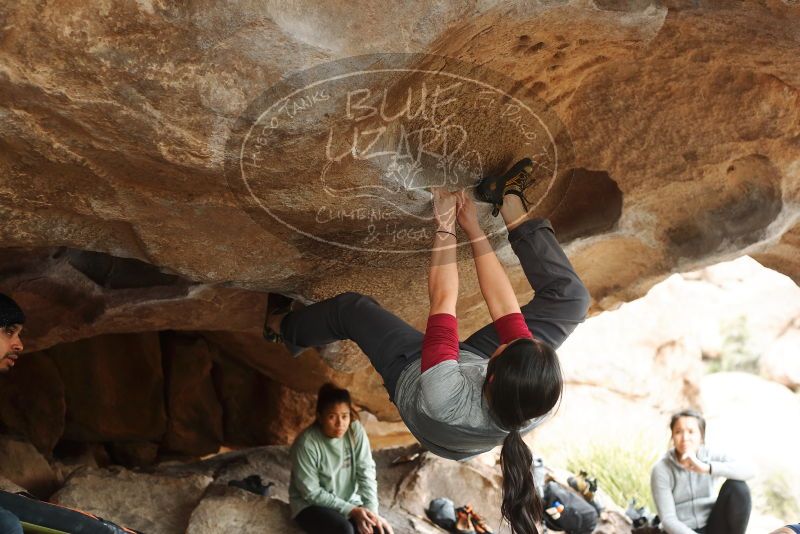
{"points": [[559, 305], [731, 512], [323, 520], [9, 524]]}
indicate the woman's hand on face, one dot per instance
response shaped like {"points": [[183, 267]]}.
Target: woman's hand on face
{"points": [[690, 462], [444, 209], [467, 214]]}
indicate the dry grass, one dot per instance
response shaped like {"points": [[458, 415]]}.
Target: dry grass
{"points": [[622, 469]]}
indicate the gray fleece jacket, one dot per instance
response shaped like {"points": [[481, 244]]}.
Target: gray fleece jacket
{"points": [[684, 498]]}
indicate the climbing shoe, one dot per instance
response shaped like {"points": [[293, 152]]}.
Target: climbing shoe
{"points": [[492, 189], [463, 522], [477, 521], [277, 304]]}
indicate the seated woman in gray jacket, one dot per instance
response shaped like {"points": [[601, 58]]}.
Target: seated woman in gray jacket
{"points": [[682, 483]]}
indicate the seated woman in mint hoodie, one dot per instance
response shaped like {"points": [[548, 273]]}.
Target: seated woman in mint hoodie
{"points": [[460, 399], [333, 489], [683, 483]]}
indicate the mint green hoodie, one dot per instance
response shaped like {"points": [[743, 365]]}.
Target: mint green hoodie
{"points": [[337, 473]]}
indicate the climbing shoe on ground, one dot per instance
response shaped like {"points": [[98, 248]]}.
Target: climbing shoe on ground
{"points": [[477, 521], [463, 522], [277, 304], [492, 189]]}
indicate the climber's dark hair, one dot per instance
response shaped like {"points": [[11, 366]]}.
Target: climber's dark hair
{"points": [[522, 382], [701, 422], [329, 395]]}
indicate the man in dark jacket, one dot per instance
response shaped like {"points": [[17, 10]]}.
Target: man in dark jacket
{"points": [[11, 321]]}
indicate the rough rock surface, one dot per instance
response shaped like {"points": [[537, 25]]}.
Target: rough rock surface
{"points": [[150, 503], [680, 119], [781, 362], [258, 409], [7, 485], [183, 393], [194, 414], [114, 140], [682, 321], [469, 482], [226, 509], [33, 403], [306, 373], [124, 399], [23, 465], [118, 209], [404, 492]]}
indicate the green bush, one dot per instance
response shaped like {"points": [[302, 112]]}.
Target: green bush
{"points": [[737, 350], [622, 470]]}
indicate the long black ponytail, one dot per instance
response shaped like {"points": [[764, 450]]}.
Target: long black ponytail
{"points": [[522, 382], [522, 506]]}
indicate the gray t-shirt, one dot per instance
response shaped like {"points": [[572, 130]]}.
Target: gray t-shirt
{"points": [[445, 410]]}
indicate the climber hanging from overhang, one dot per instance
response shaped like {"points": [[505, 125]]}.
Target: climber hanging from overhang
{"points": [[460, 399]]}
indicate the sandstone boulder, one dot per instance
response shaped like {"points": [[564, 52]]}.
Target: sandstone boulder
{"points": [[258, 409], [150, 503], [306, 373], [23, 465], [7, 485], [194, 424], [678, 123], [669, 183], [462, 482], [70, 294], [226, 509], [781, 362], [133, 453], [32, 401], [681, 321], [659, 365], [114, 387]]}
